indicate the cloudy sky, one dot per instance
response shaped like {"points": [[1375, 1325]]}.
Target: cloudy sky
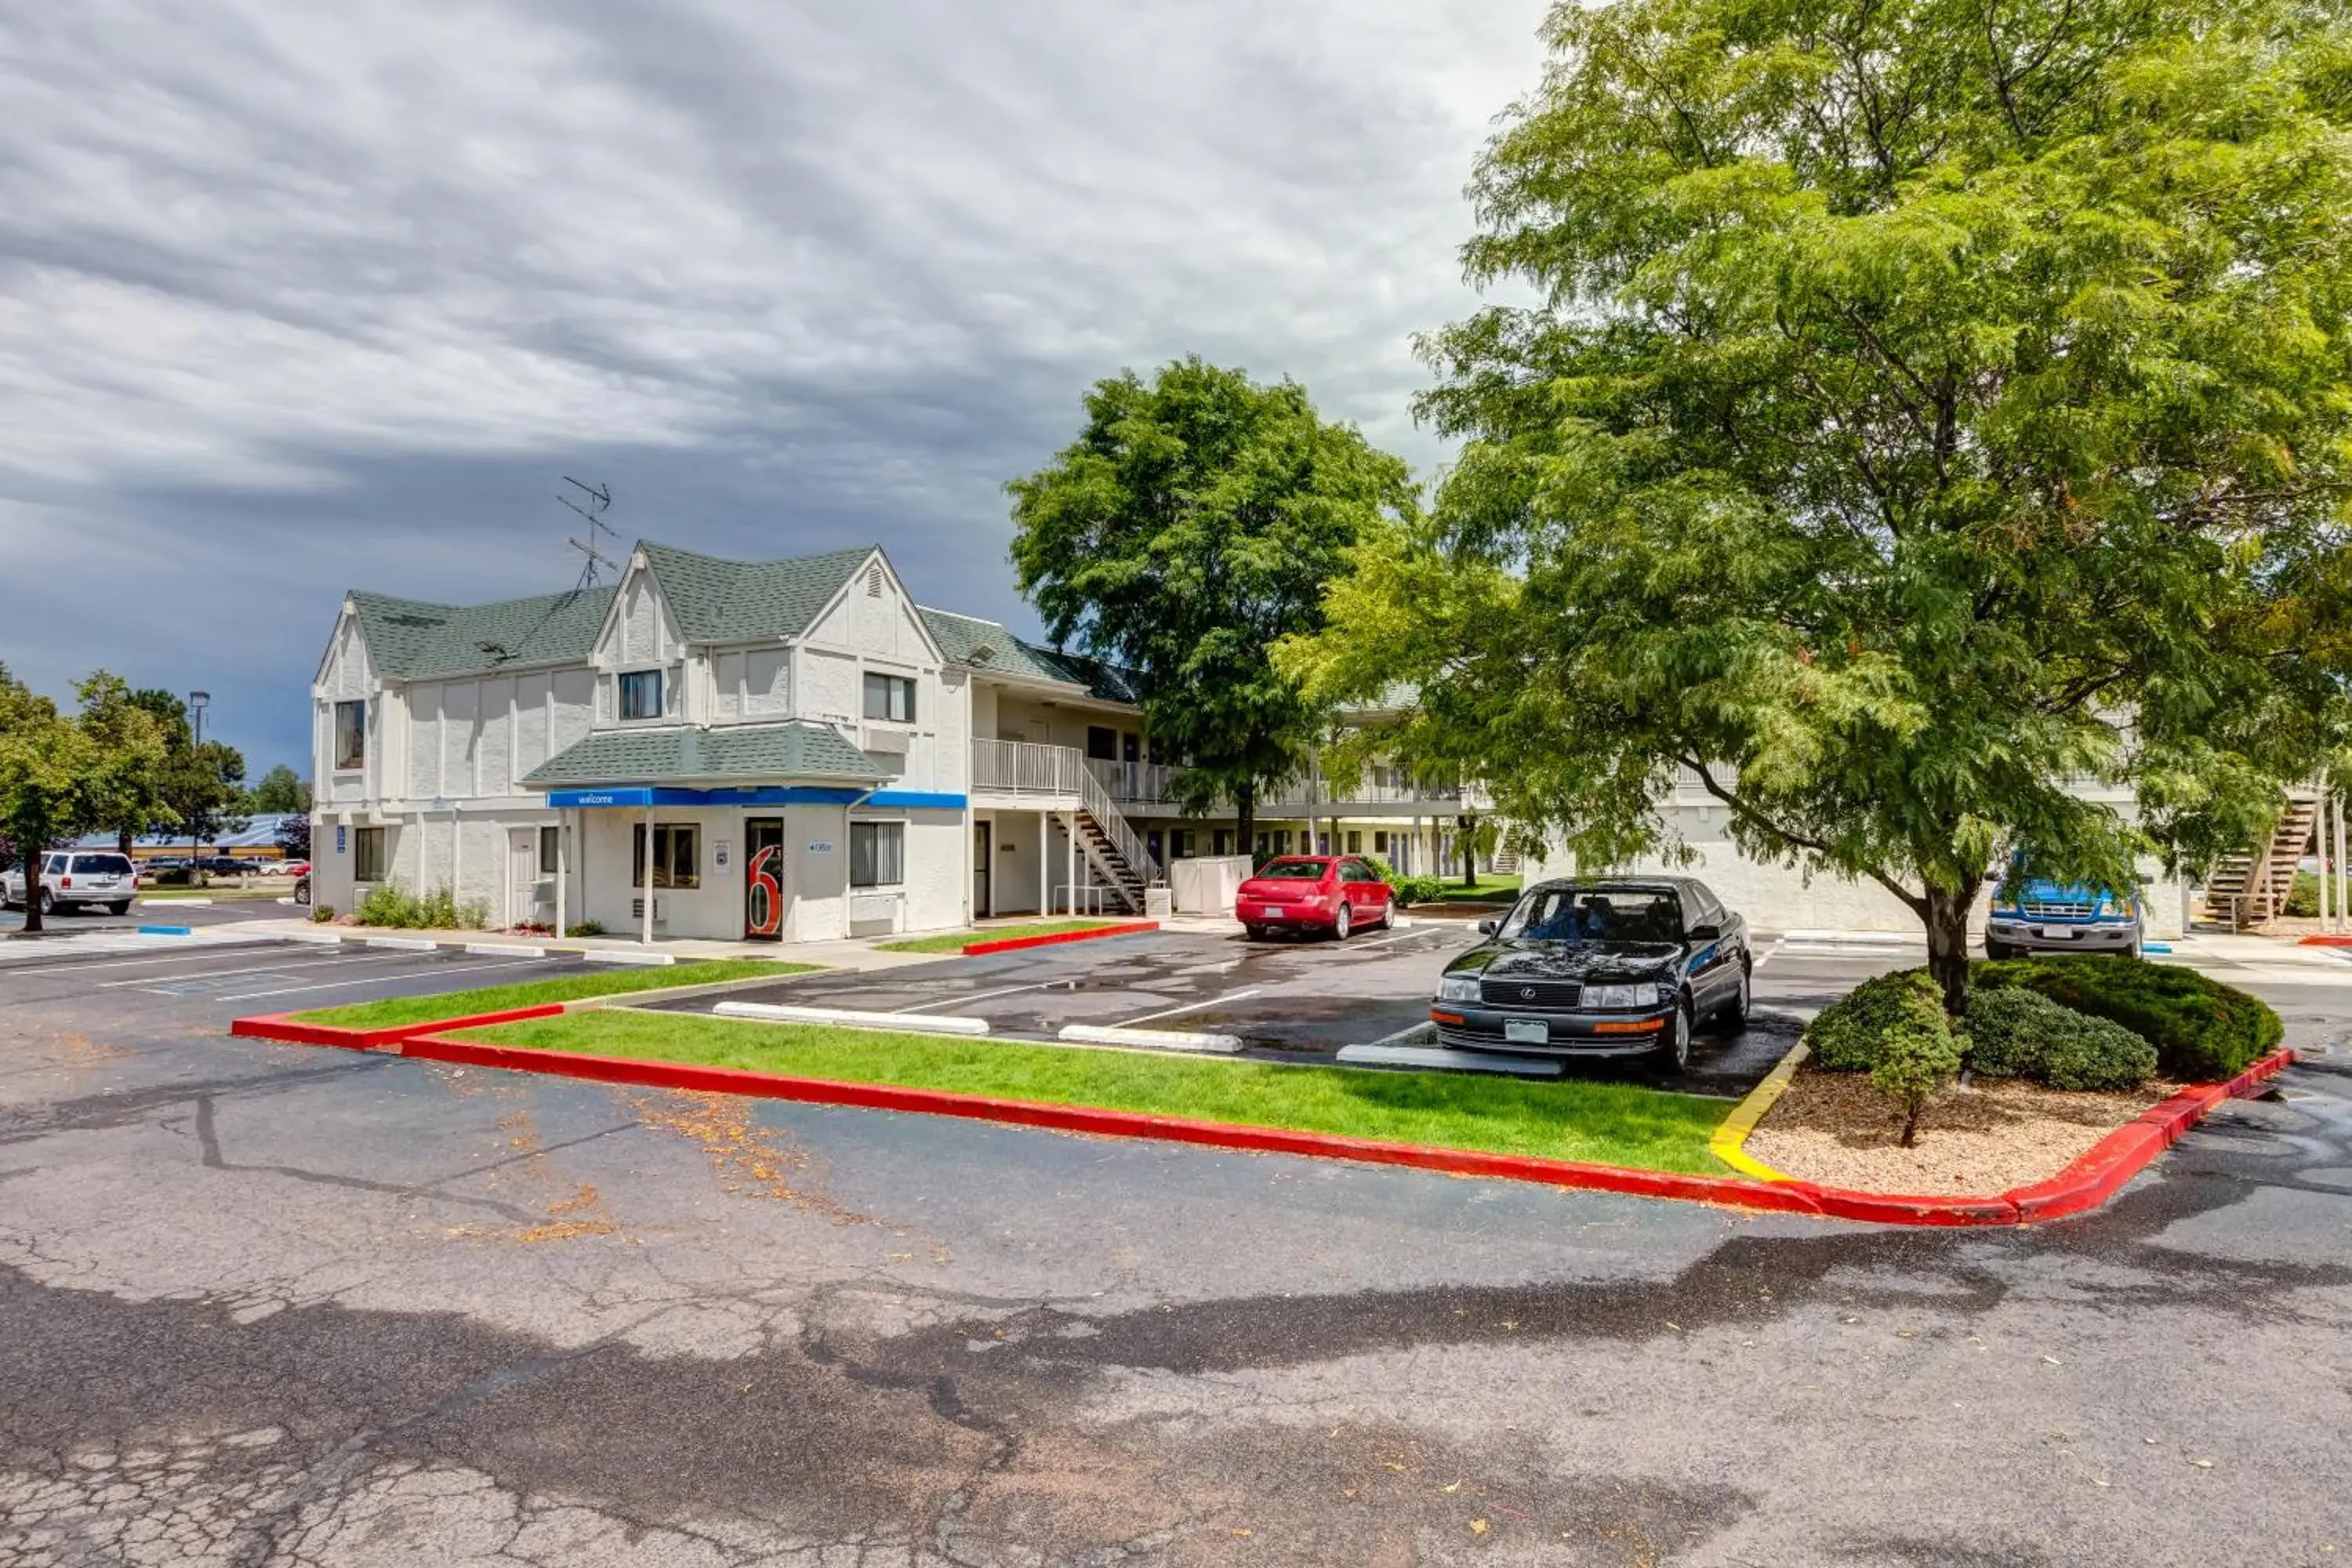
{"points": [[302, 297]]}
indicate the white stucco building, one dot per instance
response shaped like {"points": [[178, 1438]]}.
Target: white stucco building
{"points": [[793, 750]]}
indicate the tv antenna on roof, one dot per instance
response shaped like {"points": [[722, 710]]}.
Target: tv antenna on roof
{"points": [[600, 501]]}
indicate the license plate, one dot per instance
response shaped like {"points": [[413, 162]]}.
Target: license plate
{"points": [[1277, 914], [2057, 933], [1527, 1032]]}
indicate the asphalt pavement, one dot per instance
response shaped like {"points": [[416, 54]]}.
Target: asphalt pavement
{"points": [[262, 1304]]}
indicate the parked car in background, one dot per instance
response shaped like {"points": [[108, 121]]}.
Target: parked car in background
{"points": [[1599, 967], [2029, 915], [1335, 893], [288, 869], [73, 879]]}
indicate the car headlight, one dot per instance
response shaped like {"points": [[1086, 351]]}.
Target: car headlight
{"points": [[1643, 996], [1459, 988]]}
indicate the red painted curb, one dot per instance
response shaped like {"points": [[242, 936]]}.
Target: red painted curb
{"points": [[1788, 1197], [2087, 1182], [2327, 941], [286, 1028], [1055, 939]]}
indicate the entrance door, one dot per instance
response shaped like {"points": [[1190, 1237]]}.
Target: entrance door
{"points": [[982, 858], [764, 879], [522, 875]]}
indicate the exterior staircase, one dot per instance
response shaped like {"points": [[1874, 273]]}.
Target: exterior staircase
{"points": [[1112, 847], [2251, 889]]}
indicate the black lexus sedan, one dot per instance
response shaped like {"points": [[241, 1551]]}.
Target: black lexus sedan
{"points": [[1599, 967]]}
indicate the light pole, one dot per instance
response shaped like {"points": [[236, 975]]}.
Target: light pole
{"points": [[197, 702]]}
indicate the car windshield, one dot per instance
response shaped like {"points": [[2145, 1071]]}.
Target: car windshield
{"points": [[1596, 914], [1304, 870]]}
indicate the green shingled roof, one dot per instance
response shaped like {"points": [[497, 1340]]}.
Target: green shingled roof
{"points": [[960, 635], [667, 753], [730, 601], [410, 639]]}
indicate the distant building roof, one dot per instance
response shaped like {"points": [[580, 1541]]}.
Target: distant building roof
{"points": [[256, 832]]}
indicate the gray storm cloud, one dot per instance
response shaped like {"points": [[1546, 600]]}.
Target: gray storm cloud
{"points": [[301, 297]]}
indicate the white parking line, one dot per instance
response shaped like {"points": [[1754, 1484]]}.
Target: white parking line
{"points": [[292, 964], [975, 997], [1384, 941], [125, 962], [1192, 1006], [374, 978], [1766, 956]]}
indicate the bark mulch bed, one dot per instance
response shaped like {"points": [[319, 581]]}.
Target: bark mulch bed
{"points": [[1835, 1130]]}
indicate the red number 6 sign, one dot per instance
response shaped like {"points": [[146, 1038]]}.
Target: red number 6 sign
{"points": [[763, 895]]}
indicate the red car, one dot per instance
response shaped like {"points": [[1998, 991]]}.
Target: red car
{"points": [[1314, 893]]}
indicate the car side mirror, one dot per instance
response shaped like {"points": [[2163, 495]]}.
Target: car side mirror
{"points": [[1704, 933], [1490, 926]]}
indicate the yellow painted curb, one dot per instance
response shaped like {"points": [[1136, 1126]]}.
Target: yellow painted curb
{"points": [[1726, 1142]]}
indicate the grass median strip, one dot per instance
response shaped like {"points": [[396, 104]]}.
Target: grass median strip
{"points": [[957, 941], [397, 1010], [1611, 1123]]}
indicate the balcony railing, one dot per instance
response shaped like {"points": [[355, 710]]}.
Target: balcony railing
{"points": [[1018, 767], [1154, 784]]}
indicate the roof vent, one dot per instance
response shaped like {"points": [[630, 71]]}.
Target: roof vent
{"points": [[981, 654], [874, 581]]}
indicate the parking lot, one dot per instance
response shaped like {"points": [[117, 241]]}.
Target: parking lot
{"points": [[1287, 1001], [218, 974]]}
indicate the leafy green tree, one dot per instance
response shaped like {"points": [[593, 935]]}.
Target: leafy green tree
{"points": [[200, 789], [122, 791], [1193, 522], [45, 761], [282, 790], [1928, 404]]}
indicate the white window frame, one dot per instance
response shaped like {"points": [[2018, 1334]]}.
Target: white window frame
{"points": [[356, 761], [876, 824], [621, 695], [893, 686]]}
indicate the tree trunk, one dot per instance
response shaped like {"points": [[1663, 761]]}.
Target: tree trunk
{"points": [[32, 895], [1911, 1123], [1245, 816], [1469, 828], [1947, 943]]}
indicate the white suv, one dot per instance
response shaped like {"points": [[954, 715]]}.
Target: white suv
{"points": [[79, 877]]}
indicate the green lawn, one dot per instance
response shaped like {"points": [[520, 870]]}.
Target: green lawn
{"points": [[1616, 1123], [598, 980], [1489, 891], [957, 941]]}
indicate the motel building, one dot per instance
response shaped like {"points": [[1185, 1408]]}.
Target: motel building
{"points": [[787, 751]]}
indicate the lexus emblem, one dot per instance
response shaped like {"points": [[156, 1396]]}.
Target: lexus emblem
{"points": [[1527, 993]]}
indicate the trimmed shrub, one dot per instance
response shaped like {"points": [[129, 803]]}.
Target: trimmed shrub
{"points": [[322, 914], [1917, 1057], [392, 907], [1849, 1035], [2303, 895], [586, 928], [2201, 1029], [2013, 1032], [1417, 889]]}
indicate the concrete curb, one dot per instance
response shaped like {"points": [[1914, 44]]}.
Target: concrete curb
{"points": [[1055, 939], [289, 1029], [1108, 1123], [181, 903], [1728, 1141], [1153, 1039], [2086, 1184], [848, 1017]]}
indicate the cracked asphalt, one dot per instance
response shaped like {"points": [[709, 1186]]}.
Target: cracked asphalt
{"points": [[265, 1305]]}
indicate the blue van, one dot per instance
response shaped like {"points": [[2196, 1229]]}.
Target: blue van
{"points": [[2031, 916]]}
